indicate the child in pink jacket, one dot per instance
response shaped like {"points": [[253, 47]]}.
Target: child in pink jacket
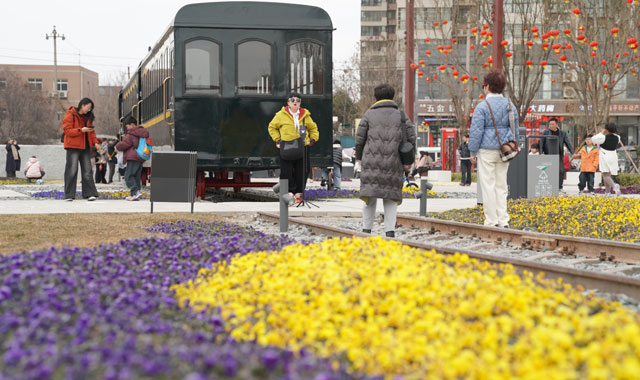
{"points": [[33, 169]]}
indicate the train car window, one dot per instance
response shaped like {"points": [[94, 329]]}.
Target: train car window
{"points": [[254, 68], [202, 66], [305, 68]]}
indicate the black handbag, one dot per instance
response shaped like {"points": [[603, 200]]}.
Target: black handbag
{"points": [[406, 149], [294, 149]]}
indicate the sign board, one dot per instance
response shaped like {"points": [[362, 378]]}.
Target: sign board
{"points": [[543, 173]]}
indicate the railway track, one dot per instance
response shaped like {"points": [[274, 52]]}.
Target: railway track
{"points": [[505, 246]]}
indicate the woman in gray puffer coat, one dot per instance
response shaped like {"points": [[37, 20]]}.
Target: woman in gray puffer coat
{"points": [[377, 141]]}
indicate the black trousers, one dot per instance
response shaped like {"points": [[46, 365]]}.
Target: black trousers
{"points": [[83, 157], [465, 168], [112, 170], [296, 172], [586, 178], [101, 173]]}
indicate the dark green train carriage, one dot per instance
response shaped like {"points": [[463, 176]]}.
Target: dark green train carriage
{"points": [[219, 74]]}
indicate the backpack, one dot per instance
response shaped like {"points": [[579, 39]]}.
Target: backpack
{"points": [[145, 148]]}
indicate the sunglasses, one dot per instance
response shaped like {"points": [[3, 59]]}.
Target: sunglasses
{"points": [[295, 100]]}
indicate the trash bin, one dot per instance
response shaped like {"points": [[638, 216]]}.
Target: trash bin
{"points": [[173, 177]]}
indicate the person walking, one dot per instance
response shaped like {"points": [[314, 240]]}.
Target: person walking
{"points": [[465, 161], [424, 164], [589, 157], [33, 169], [79, 137], [337, 167], [488, 116], [133, 171], [377, 141], [12, 164], [608, 158], [288, 124], [563, 140], [112, 160]]}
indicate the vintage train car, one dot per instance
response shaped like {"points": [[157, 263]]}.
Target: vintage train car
{"points": [[218, 75]]}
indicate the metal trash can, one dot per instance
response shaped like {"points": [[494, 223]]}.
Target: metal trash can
{"points": [[173, 177]]}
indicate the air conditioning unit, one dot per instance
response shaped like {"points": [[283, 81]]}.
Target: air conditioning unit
{"points": [[63, 94], [569, 77], [569, 93], [52, 94]]}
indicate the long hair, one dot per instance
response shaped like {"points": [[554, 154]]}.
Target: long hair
{"points": [[90, 116]]}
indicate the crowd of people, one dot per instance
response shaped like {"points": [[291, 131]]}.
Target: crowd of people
{"points": [[381, 131]]}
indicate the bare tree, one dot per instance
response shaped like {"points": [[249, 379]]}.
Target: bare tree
{"points": [[380, 66], [107, 120], [25, 113]]}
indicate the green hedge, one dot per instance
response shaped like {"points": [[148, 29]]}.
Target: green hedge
{"points": [[457, 177], [629, 179]]}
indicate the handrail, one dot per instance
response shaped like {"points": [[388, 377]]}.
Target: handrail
{"points": [[136, 106], [164, 100]]}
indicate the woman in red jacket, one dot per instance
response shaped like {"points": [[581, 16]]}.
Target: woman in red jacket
{"points": [[79, 136]]}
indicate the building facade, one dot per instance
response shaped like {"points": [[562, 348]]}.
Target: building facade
{"points": [[74, 82]]}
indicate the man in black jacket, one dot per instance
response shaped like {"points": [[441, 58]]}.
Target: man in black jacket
{"points": [[465, 161], [563, 140]]}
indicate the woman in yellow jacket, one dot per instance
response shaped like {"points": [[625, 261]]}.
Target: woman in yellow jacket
{"points": [[288, 124]]}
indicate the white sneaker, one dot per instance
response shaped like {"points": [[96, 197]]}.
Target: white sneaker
{"points": [[69, 199], [91, 199], [616, 188], [137, 196]]}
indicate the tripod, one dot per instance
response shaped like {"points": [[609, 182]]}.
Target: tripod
{"points": [[306, 169]]}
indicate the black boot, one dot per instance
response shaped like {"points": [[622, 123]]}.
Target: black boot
{"points": [[366, 231], [391, 234]]}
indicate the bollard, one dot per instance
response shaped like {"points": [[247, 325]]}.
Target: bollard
{"points": [[283, 196], [425, 186]]}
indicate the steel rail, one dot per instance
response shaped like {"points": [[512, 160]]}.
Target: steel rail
{"points": [[589, 280], [596, 248]]}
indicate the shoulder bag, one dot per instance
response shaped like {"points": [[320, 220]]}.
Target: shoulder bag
{"points": [[406, 149], [510, 149], [294, 149]]}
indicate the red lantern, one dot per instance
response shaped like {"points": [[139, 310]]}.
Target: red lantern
{"points": [[504, 43], [474, 30], [556, 48], [435, 24], [577, 12], [529, 63], [421, 62], [444, 22], [420, 74], [563, 58], [555, 33], [581, 38], [442, 68], [615, 31], [428, 53], [594, 45], [455, 41], [603, 62], [545, 46], [567, 32], [594, 54], [606, 86], [414, 66], [455, 74], [435, 76], [485, 26], [581, 28], [508, 54], [529, 44], [544, 64]]}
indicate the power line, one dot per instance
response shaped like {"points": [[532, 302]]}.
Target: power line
{"points": [[73, 54], [66, 63]]}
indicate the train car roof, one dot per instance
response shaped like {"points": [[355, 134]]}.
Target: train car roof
{"points": [[253, 15]]}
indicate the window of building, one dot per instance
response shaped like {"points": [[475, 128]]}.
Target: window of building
{"points": [[372, 15], [63, 85], [202, 66], [370, 3], [254, 68], [36, 83], [3, 83], [305, 65], [370, 31]]}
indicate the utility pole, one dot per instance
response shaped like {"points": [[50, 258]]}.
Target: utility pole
{"points": [[55, 36], [408, 72], [497, 16]]}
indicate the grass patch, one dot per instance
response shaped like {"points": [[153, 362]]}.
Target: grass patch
{"points": [[31, 232]]}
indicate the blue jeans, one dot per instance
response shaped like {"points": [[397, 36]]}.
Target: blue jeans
{"points": [[337, 176], [465, 168], [82, 156]]}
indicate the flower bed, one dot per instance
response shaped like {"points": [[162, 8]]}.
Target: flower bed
{"points": [[394, 310], [14, 181], [57, 194], [108, 313], [312, 194], [623, 190], [610, 218]]}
